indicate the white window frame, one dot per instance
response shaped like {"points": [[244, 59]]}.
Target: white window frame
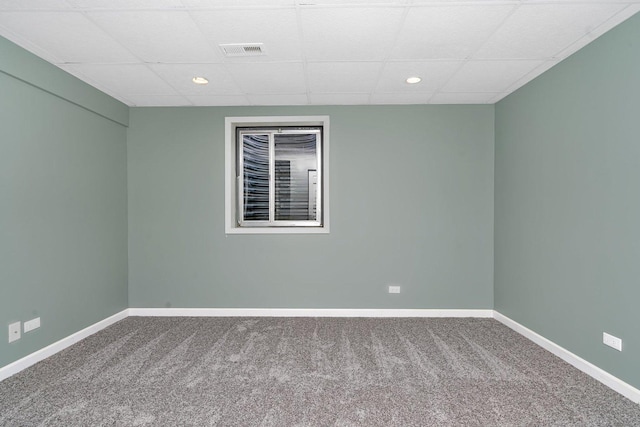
{"points": [[231, 184]]}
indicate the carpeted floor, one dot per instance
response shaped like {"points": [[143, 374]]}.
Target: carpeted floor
{"points": [[308, 372]]}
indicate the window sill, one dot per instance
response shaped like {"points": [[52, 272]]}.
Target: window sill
{"points": [[277, 230]]}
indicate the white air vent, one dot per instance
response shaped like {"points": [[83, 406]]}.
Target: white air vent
{"points": [[242, 49]]}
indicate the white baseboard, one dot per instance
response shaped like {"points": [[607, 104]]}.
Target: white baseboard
{"points": [[305, 312], [50, 350], [588, 368]]}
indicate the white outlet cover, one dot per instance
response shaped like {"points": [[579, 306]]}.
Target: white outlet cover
{"points": [[32, 324], [394, 289], [14, 332], [611, 341]]}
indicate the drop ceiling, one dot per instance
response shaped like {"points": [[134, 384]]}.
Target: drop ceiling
{"points": [[316, 52]]}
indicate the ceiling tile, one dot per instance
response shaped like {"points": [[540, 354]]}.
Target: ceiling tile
{"points": [[339, 98], [158, 36], [126, 4], [159, 101], [434, 74], [343, 76], [532, 74], [34, 5], [447, 32], [463, 98], [444, 2], [277, 29], [218, 100], [365, 3], [540, 31], [279, 99], [600, 30], [267, 77], [70, 68], [351, 34], [329, 52], [400, 98], [130, 79], [489, 76], [579, 1], [65, 36], [208, 4], [180, 76]]}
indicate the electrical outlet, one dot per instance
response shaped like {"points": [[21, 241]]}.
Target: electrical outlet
{"points": [[32, 324], [393, 289], [612, 341], [14, 331]]}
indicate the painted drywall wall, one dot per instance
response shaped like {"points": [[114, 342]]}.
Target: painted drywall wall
{"points": [[567, 213], [411, 204], [25, 66], [63, 210]]}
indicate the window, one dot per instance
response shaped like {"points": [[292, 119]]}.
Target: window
{"points": [[277, 175]]}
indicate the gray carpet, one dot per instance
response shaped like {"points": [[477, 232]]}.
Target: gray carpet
{"points": [[308, 372]]}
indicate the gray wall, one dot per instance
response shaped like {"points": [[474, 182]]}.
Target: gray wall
{"points": [[63, 205], [567, 214], [411, 204]]}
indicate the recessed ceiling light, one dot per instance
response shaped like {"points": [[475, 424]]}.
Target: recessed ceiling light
{"points": [[413, 80], [200, 80]]}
